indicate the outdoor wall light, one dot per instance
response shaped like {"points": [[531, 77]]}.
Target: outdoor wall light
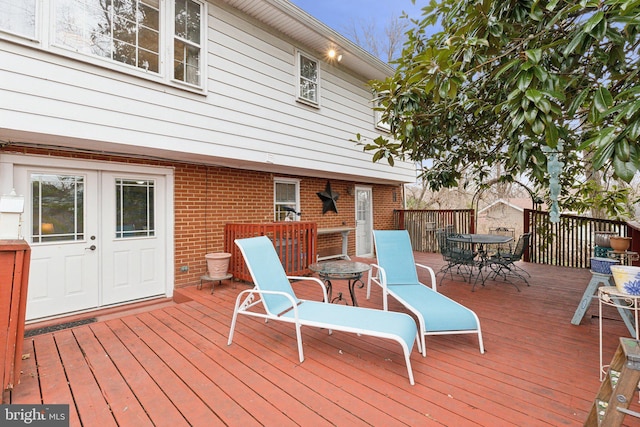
{"points": [[334, 55]]}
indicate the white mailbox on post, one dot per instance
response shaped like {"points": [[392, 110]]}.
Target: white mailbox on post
{"points": [[11, 208]]}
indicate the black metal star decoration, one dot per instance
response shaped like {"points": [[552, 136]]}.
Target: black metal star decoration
{"points": [[329, 199]]}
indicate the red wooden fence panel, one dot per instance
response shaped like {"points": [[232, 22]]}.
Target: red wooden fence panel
{"points": [[15, 256], [295, 242]]}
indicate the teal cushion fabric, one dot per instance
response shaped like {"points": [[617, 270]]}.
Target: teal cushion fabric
{"points": [[395, 255], [358, 319], [267, 272], [440, 312]]}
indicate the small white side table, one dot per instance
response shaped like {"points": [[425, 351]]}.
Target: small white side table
{"points": [[628, 307]]}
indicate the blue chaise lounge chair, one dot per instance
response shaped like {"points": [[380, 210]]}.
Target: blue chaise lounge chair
{"points": [[397, 274], [274, 292]]}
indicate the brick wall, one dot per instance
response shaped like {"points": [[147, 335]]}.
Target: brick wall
{"points": [[207, 197]]}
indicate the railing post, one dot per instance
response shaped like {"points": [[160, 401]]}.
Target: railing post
{"points": [[400, 214], [526, 229], [472, 219], [633, 231]]}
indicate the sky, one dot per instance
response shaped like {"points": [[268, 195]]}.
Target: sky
{"points": [[340, 14]]}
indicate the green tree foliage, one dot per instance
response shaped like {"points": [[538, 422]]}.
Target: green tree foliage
{"points": [[506, 82]]}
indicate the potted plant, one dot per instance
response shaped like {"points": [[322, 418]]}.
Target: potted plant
{"points": [[619, 243], [217, 264]]}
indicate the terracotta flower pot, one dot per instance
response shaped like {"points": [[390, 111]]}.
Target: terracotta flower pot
{"points": [[619, 243], [218, 264]]}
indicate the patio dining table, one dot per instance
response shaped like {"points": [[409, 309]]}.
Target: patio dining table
{"points": [[481, 240]]}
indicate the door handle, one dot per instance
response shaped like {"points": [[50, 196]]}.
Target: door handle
{"points": [[92, 247]]}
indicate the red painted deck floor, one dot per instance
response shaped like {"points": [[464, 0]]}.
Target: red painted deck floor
{"points": [[171, 366]]}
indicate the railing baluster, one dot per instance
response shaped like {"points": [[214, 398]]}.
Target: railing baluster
{"points": [[569, 242]]}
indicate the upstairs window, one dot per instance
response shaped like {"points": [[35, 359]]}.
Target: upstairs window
{"points": [[160, 39], [187, 41], [377, 117], [126, 31], [287, 200], [18, 17], [308, 79]]}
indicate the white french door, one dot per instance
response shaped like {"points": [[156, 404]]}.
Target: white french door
{"points": [[364, 222], [133, 241], [60, 222], [97, 238]]}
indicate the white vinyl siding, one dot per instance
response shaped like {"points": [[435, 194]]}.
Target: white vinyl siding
{"points": [[248, 118]]}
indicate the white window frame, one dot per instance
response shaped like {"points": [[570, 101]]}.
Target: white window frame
{"points": [[37, 22], [377, 118], [201, 45], [45, 17], [299, 96], [288, 181]]}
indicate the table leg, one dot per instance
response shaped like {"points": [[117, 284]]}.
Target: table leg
{"points": [[352, 289], [329, 289]]}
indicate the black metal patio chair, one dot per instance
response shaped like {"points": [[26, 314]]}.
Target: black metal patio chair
{"points": [[459, 256], [503, 264]]}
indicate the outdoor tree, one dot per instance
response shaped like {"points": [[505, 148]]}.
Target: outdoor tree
{"points": [[547, 90], [387, 45]]}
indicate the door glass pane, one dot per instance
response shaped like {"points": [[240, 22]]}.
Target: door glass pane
{"points": [[57, 212], [135, 208], [363, 206]]}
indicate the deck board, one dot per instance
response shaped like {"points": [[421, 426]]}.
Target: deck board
{"points": [[320, 394], [53, 382], [295, 410], [92, 405], [212, 394], [140, 386], [181, 396], [123, 403], [172, 365]]}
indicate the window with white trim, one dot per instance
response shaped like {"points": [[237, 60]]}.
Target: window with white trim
{"points": [[161, 39], [18, 17], [187, 43], [377, 117], [308, 79], [126, 31], [286, 200]]}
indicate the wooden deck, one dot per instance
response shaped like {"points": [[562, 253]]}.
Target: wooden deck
{"points": [[171, 366]]}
